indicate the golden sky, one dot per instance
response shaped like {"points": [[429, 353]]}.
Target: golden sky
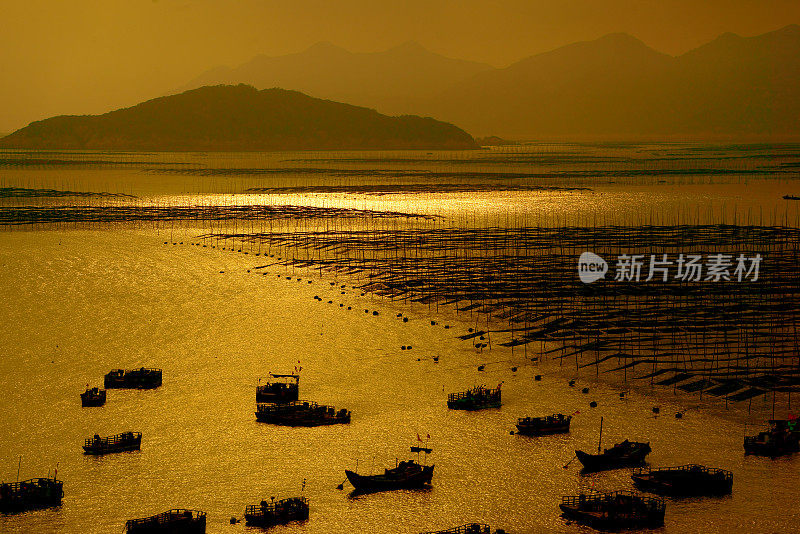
{"points": [[74, 57]]}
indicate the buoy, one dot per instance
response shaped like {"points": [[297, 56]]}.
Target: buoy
{"points": [[433, 323], [469, 329], [403, 347], [656, 409], [447, 326], [405, 319], [435, 359], [678, 415], [513, 369], [585, 390], [480, 367], [572, 383], [621, 394], [374, 313], [408, 348], [593, 404], [234, 520], [512, 432], [349, 308], [537, 377]]}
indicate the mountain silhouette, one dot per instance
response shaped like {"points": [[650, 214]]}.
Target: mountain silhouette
{"points": [[237, 118], [616, 86], [389, 80]]}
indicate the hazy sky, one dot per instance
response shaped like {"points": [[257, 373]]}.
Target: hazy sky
{"points": [[74, 57]]}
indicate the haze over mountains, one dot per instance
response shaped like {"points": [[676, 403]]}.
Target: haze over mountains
{"points": [[614, 87], [239, 118]]}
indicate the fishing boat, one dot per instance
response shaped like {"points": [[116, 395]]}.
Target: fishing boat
{"points": [[133, 378], [280, 512], [177, 521], [278, 388], [783, 437], [300, 413], [469, 528], [615, 510], [537, 426], [476, 398], [684, 480], [93, 397], [623, 454], [30, 494], [405, 475], [791, 197], [127, 441], [627, 453]]}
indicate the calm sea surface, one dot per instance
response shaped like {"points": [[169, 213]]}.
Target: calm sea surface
{"points": [[78, 300]]}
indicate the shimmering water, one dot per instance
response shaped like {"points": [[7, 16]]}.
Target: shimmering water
{"points": [[77, 302]]}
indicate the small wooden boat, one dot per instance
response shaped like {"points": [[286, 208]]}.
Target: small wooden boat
{"points": [[538, 426], [684, 480], [625, 454], [469, 528], [280, 512], [783, 437], [93, 397], [127, 441], [476, 398], [301, 413], [133, 379], [405, 475], [30, 494], [278, 388], [616, 510], [791, 197], [177, 521]]}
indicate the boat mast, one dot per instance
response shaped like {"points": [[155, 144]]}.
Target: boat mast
{"points": [[19, 466], [599, 443]]}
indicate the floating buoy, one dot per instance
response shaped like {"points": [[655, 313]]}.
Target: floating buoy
{"points": [[621, 394], [447, 326], [399, 315], [408, 348], [349, 308], [593, 404], [469, 329], [403, 347], [513, 369], [435, 359], [678, 415], [330, 302], [341, 305], [585, 390], [234, 520], [433, 323], [572, 383], [374, 313], [537, 377], [405, 319], [512, 432], [481, 338], [656, 409]]}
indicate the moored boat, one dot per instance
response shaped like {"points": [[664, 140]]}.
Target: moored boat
{"points": [[615, 510], [405, 475], [133, 378], [278, 388], [30, 494], [127, 441], [469, 528], [301, 413], [537, 426], [684, 480], [783, 437], [280, 512], [93, 397], [476, 398], [625, 454], [176, 521]]}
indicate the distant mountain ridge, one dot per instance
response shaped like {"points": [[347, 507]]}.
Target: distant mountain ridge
{"points": [[611, 87], [617, 86], [239, 118], [385, 80]]}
